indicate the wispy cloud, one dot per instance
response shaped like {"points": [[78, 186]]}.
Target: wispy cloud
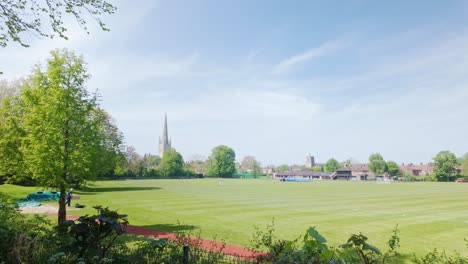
{"points": [[294, 61]]}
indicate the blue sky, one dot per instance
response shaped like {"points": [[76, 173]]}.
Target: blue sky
{"points": [[279, 79]]}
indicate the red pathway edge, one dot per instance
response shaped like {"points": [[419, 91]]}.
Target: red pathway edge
{"points": [[211, 245]]}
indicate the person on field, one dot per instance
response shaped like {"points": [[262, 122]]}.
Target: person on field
{"points": [[69, 197]]}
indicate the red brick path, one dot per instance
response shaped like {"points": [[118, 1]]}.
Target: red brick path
{"points": [[206, 244]]}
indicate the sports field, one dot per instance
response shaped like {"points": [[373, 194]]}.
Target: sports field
{"points": [[429, 215]]}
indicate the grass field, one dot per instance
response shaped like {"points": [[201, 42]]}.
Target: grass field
{"points": [[429, 215]]}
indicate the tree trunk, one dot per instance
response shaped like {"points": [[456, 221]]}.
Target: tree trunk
{"points": [[62, 213]]}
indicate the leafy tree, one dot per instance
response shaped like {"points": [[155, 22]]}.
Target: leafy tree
{"points": [[56, 130], [20, 16], [152, 161], [331, 165], [377, 164], [316, 168], [10, 89], [172, 163], [445, 163], [282, 168], [464, 165], [393, 169], [222, 162], [197, 166], [250, 164], [256, 168], [348, 162]]}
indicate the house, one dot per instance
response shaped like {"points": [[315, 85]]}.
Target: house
{"points": [[417, 170], [360, 172]]}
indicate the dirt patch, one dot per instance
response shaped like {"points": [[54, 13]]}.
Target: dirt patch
{"points": [[43, 209]]}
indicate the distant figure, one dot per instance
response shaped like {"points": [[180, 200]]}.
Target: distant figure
{"points": [[69, 197]]}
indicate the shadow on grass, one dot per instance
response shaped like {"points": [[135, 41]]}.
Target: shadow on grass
{"points": [[173, 228], [90, 191], [402, 258]]}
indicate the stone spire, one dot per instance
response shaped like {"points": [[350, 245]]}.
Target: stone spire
{"points": [[164, 141]]}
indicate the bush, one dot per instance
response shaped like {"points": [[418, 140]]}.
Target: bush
{"points": [[21, 236]]}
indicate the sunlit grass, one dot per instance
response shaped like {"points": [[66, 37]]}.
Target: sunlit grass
{"points": [[429, 215]]}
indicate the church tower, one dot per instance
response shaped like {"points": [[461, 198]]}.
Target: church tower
{"points": [[164, 141], [310, 161]]}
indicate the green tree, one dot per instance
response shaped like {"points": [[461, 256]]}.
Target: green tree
{"points": [[57, 131], [282, 168], [377, 164], [331, 165], [20, 16], [251, 165], [222, 162], [464, 165], [172, 163], [316, 168], [10, 89], [445, 163], [393, 169]]}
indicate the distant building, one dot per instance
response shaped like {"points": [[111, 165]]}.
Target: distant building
{"points": [[360, 171], [417, 170], [310, 161], [164, 141], [269, 170], [304, 173]]}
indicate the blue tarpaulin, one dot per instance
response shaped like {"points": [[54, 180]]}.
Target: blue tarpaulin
{"points": [[44, 196]]}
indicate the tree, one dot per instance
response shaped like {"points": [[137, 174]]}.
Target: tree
{"points": [[393, 169], [250, 164], [282, 168], [331, 165], [464, 165], [445, 163], [349, 162], [316, 168], [377, 164], [222, 162], [172, 163], [56, 130], [20, 16], [10, 89]]}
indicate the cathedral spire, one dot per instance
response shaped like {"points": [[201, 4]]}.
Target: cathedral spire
{"points": [[164, 141], [164, 135]]}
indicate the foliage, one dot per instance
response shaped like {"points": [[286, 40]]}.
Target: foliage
{"points": [[221, 162], [313, 248], [197, 166], [377, 164], [95, 234], [317, 168], [10, 89], [393, 169], [21, 236], [282, 168], [331, 165], [250, 164], [440, 257], [464, 165], [20, 16], [55, 131], [445, 163], [366, 252], [172, 163]]}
